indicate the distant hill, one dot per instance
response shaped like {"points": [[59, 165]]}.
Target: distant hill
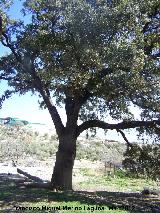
{"points": [[22, 142]]}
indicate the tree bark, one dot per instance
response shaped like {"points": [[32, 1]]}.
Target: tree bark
{"points": [[65, 156]]}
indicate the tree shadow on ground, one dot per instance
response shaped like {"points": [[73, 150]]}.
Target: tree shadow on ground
{"points": [[12, 194]]}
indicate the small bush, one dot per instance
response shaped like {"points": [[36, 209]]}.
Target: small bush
{"points": [[143, 161]]}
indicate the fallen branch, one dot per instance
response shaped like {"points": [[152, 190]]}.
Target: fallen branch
{"points": [[31, 177], [38, 182], [37, 185]]}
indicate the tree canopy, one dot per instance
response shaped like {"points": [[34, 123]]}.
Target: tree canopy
{"points": [[96, 58], [101, 56]]}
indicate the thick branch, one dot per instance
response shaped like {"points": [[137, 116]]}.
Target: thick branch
{"points": [[124, 137], [7, 44], [85, 96], [87, 91], [39, 86], [123, 125], [52, 109]]}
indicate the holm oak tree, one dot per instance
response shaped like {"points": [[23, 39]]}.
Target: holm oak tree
{"points": [[95, 58]]}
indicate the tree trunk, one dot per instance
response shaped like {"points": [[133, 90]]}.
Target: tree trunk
{"points": [[65, 156]]}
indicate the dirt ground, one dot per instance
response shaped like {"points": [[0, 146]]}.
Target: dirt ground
{"points": [[44, 169]]}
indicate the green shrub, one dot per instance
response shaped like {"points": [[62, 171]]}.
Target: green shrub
{"points": [[143, 161], [14, 143]]}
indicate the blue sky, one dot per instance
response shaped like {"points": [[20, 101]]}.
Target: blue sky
{"points": [[26, 106]]}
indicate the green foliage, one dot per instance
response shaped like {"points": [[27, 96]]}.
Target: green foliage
{"points": [[121, 173], [96, 58], [42, 149], [78, 46], [121, 182], [143, 161]]}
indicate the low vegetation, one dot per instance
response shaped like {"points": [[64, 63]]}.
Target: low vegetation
{"points": [[95, 188], [19, 143], [121, 182], [116, 195], [140, 161], [143, 160]]}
